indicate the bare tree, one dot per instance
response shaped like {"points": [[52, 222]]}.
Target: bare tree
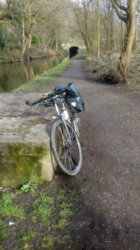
{"points": [[87, 18], [127, 14], [137, 23], [108, 22], [40, 18], [98, 28]]}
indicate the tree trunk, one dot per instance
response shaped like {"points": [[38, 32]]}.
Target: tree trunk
{"points": [[98, 29], [137, 32], [23, 40], [122, 34], [26, 36], [111, 30], [129, 38]]}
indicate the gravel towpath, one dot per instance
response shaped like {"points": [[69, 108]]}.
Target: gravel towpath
{"points": [[110, 176]]}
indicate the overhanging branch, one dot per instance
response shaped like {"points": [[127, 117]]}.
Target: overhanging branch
{"points": [[123, 17], [121, 6]]}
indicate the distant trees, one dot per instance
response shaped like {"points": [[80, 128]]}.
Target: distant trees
{"points": [[47, 24], [101, 30], [87, 17], [109, 25], [35, 22]]}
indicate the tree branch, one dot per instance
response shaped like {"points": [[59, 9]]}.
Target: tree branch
{"points": [[122, 16], [121, 6]]}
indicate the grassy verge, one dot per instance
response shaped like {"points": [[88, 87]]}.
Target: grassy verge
{"points": [[41, 82], [38, 216]]}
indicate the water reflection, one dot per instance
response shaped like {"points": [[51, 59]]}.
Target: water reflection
{"points": [[12, 75]]}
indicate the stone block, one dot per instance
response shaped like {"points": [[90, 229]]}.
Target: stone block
{"points": [[25, 154]]}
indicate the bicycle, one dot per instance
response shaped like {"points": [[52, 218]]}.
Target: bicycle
{"points": [[64, 136]]}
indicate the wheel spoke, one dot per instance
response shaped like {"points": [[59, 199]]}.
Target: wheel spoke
{"points": [[67, 149], [69, 161]]}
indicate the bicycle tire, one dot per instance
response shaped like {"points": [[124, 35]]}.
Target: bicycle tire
{"points": [[62, 148]]}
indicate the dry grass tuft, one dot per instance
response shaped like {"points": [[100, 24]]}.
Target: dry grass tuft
{"points": [[106, 69]]}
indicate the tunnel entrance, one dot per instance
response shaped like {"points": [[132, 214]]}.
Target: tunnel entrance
{"points": [[73, 51]]}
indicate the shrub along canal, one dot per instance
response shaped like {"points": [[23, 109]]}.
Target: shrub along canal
{"points": [[13, 75]]}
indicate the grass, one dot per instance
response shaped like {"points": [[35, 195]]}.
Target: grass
{"points": [[30, 235], [46, 199], [28, 187], [43, 213], [3, 233], [41, 82], [65, 210], [65, 205], [43, 208], [62, 223], [46, 217], [8, 209], [48, 242]]}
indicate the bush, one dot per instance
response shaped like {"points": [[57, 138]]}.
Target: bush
{"points": [[112, 76], [106, 69], [3, 37], [35, 39], [7, 39]]}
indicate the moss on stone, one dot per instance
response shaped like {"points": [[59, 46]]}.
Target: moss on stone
{"points": [[20, 163]]}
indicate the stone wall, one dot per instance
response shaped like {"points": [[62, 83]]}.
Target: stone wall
{"points": [[24, 141]]}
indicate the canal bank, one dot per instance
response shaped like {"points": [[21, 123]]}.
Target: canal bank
{"points": [[43, 82], [13, 75]]}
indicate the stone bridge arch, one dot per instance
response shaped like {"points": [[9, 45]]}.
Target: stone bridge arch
{"points": [[73, 51], [73, 48]]}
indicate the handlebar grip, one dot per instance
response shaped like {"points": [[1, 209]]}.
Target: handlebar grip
{"points": [[34, 103], [28, 103], [51, 94]]}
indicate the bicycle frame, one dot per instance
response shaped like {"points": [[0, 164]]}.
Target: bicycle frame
{"points": [[64, 113]]}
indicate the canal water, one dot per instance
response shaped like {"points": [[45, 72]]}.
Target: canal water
{"points": [[12, 75]]}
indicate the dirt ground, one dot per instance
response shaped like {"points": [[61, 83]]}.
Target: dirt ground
{"points": [[105, 196]]}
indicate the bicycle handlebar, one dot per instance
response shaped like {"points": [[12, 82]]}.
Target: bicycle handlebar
{"points": [[35, 102], [48, 96], [59, 90]]}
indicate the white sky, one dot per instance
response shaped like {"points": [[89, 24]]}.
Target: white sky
{"points": [[3, 1]]}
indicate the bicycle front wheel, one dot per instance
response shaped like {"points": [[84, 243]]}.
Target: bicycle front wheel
{"points": [[66, 148]]}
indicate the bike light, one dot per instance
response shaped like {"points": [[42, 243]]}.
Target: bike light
{"points": [[45, 95]]}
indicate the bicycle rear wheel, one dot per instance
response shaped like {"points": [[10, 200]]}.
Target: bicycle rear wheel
{"points": [[66, 148]]}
